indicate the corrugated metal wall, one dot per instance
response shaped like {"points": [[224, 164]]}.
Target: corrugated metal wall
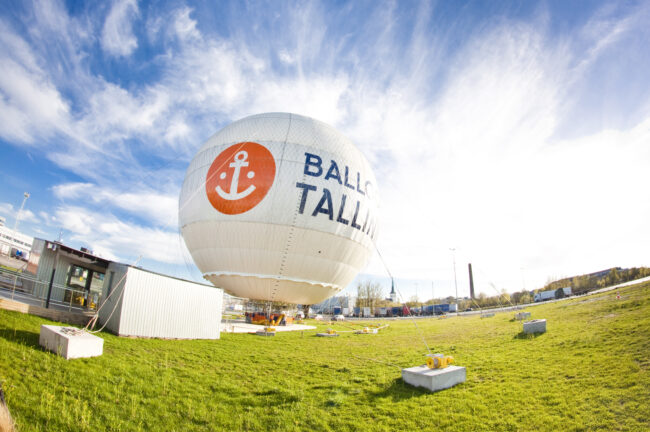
{"points": [[154, 305], [45, 265]]}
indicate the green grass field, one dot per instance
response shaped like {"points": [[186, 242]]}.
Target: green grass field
{"points": [[588, 372]]}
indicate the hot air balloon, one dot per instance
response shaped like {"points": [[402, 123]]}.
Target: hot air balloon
{"points": [[279, 207]]}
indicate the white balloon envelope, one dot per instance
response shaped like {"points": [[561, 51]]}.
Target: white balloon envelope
{"points": [[279, 207]]}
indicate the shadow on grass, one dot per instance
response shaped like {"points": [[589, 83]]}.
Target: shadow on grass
{"points": [[270, 398], [526, 336], [20, 336], [398, 390]]}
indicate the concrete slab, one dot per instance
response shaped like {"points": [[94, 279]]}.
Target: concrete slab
{"points": [[264, 333], [242, 327], [522, 316], [70, 342], [326, 334], [535, 326], [434, 379], [487, 315]]}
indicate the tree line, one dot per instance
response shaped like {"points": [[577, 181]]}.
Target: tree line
{"points": [[593, 281]]}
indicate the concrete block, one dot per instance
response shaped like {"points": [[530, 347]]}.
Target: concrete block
{"points": [[535, 326], [434, 379], [487, 315], [264, 333], [326, 334], [70, 342], [367, 331], [522, 316]]}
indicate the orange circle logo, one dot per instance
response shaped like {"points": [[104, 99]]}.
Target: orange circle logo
{"points": [[240, 177]]}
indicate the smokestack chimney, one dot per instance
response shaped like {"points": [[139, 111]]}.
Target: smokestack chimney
{"points": [[471, 281]]}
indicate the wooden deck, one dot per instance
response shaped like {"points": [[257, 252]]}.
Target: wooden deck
{"points": [[75, 318]]}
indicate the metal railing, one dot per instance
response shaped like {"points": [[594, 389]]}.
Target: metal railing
{"points": [[26, 287]]}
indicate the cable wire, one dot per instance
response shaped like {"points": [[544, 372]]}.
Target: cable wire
{"points": [[403, 301]]}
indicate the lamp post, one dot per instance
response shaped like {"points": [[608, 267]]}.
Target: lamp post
{"points": [[453, 254], [25, 196]]}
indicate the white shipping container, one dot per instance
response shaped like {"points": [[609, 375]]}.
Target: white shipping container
{"points": [[146, 304]]}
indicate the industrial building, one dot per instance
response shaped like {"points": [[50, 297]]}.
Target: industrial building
{"points": [[14, 243], [344, 304], [129, 300]]}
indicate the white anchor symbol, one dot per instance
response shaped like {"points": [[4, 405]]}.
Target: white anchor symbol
{"points": [[238, 162]]}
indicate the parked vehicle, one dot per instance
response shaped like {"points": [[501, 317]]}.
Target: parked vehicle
{"points": [[545, 295]]}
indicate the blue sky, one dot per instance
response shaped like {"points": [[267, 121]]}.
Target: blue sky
{"points": [[517, 133]]}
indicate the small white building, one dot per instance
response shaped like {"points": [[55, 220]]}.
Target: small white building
{"points": [[11, 240], [132, 301], [142, 303]]}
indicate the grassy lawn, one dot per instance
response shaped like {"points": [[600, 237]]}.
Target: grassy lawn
{"points": [[588, 372]]}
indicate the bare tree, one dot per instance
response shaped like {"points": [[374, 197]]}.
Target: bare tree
{"points": [[369, 294]]}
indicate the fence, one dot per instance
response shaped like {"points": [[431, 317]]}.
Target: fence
{"points": [[24, 286]]}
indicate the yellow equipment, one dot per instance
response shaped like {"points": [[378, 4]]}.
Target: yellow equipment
{"points": [[438, 361], [260, 319], [331, 331]]}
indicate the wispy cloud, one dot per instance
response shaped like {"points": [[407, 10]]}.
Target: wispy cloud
{"points": [[117, 35], [31, 107], [6, 209], [115, 239], [155, 208], [465, 122], [10, 214]]}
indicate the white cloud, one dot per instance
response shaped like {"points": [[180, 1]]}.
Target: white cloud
{"points": [[184, 26], [463, 136], [46, 217], [28, 216], [30, 105], [6, 209], [116, 239], [178, 130], [156, 208], [479, 169], [286, 57], [9, 211], [115, 114], [117, 36]]}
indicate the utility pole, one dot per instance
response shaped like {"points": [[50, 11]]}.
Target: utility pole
{"points": [[453, 253], [25, 195]]}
